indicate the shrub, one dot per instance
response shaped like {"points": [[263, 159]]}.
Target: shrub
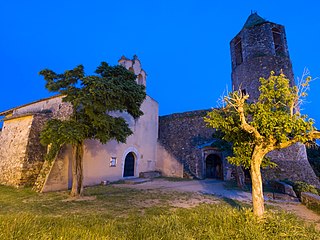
{"points": [[300, 187]]}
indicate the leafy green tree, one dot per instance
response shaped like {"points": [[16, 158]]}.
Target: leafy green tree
{"points": [[94, 99], [272, 122]]}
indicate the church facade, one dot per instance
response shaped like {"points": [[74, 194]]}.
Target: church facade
{"points": [[22, 156], [177, 145]]}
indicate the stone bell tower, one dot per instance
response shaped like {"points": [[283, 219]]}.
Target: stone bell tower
{"points": [[134, 66], [259, 48]]}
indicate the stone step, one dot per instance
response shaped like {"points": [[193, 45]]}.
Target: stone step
{"points": [[136, 180], [150, 174]]}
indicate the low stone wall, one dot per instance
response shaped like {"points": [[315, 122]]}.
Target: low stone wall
{"points": [[310, 199]]}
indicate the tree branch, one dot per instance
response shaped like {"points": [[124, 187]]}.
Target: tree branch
{"points": [[314, 135], [237, 101], [311, 135]]}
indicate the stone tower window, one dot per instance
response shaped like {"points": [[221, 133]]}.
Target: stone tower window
{"points": [[277, 40], [238, 51]]}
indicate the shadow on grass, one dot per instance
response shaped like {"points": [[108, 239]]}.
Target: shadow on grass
{"points": [[232, 203]]}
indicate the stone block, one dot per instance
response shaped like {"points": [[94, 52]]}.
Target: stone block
{"points": [[284, 188], [151, 174], [310, 199]]}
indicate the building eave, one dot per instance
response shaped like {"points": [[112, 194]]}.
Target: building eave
{"points": [[9, 111]]}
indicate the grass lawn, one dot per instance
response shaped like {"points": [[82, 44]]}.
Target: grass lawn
{"points": [[109, 212]]}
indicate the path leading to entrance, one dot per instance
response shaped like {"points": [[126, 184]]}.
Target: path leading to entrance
{"points": [[217, 188]]}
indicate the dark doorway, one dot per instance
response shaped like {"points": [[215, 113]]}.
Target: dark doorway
{"points": [[129, 165], [214, 167]]}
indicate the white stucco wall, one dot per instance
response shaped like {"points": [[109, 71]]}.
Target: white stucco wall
{"points": [[60, 176], [143, 143]]}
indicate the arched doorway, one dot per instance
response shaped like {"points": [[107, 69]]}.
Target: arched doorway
{"points": [[129, 165], [214, 167]]}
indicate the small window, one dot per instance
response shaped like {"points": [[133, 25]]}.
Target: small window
{"points": [[277, 40], [113, 162], [238, 51]]}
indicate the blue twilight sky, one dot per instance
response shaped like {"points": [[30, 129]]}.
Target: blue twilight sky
{"points": [[183, 44]]}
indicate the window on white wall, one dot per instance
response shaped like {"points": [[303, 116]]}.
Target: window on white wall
{"points": [[113, 162]]}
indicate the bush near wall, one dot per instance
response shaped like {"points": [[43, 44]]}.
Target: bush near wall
{"points": [[300, 187]]}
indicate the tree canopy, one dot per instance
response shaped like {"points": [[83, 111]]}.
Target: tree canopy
{"points": [[255, 128], [94, 99]]}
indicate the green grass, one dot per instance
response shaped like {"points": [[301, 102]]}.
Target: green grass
{"points": [[122, 213]]}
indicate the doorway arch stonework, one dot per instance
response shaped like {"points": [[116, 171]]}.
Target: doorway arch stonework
{"points": [[136, 155], [214, 167], [225, 166]]}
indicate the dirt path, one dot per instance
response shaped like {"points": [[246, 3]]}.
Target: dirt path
{"points": [[217, 188], [299, 210]]}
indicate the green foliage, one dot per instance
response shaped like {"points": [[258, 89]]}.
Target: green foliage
{"points": [[226, 121], [56, 133], [300, 187], [274, 117], [94, 99]]}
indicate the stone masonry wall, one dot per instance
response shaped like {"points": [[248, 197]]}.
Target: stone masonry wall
{"points": [[35, 152], [259, 58], [13, 145], [292, 164], [21, 154], [181, 134]]}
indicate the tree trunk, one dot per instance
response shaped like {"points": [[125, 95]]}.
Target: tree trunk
{"points": [[240, 177], [256, 179], [77, 170]]}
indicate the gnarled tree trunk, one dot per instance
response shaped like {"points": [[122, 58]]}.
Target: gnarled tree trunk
{"points": [[256, 179], [77, 170]]}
